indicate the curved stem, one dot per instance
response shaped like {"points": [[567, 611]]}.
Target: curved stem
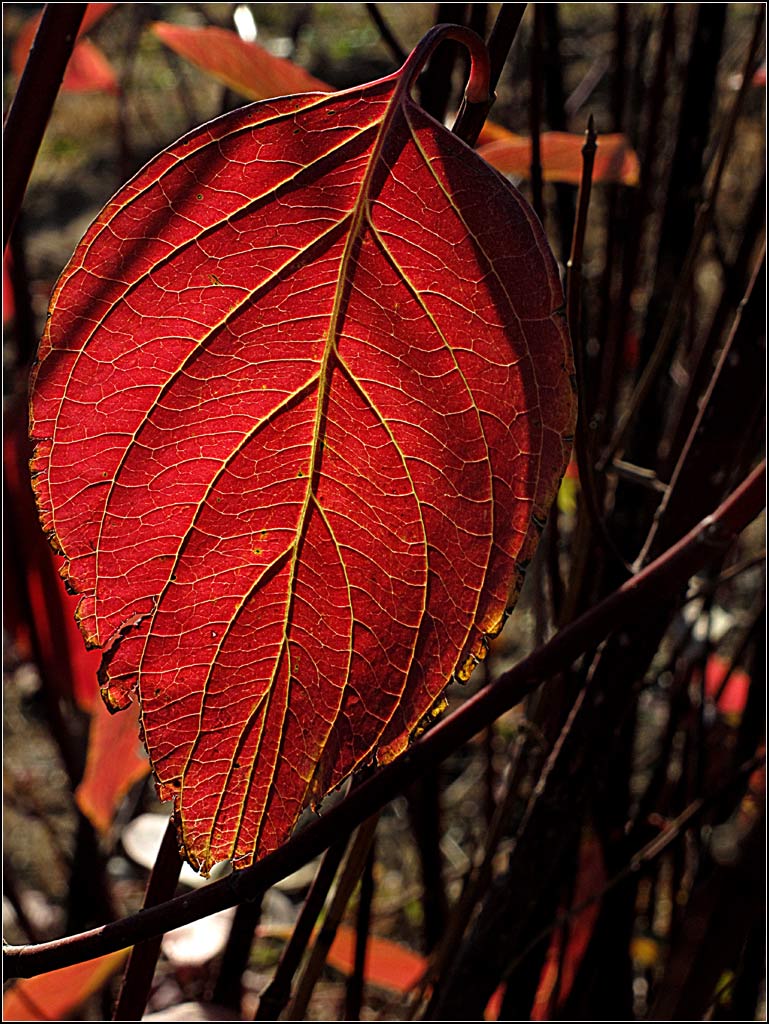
{"points": [[715, 532], [472, 115], [478, 85]]}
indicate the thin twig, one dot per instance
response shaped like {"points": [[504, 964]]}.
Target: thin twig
{"points": [[351, 872], [32, 105], [479, 876], [716, 532], [588, 490], [275, 997], [574, 267], [740, 567], [392, 44], [535, 113], [647, 854], [749, 312], [701, 224], [357, 980], [641, 208], [140, 969]]}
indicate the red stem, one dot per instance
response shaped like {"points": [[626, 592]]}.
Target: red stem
{"points": [[713, 533], [31, 107], [478, 87], [472, 114]]}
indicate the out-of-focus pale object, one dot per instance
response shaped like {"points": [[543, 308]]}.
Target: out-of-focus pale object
{"points": [[244, 23]]}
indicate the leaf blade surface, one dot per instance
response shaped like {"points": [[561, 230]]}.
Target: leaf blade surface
{"points": [[301, 407]]}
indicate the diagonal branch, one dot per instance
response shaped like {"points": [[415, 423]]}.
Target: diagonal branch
{"points": [[31, 107], [715, 532]]}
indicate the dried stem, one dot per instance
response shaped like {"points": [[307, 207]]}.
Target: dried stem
{"points": [[715, 533], [642, 204], [478, 878], [722, 400]]}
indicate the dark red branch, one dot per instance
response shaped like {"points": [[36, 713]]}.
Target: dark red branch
{"points": [[715, 532], [31, 107]]}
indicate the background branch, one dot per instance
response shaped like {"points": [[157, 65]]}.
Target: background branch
{"points": [[715, 533]]}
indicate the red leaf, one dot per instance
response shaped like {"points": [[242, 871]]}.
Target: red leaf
{"points": [[113, 764], [245, 67], [54, 996], [561, 965], [9, 306], [561, 156], [38, 610], [732, 701], [88, 69], [302, 404]]}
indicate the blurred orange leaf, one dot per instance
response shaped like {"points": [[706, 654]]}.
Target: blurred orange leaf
{"points": [[564, 961], [115, 760], [255, 73], [88, 69], [388, 964], [9, 306], [55, 995], [247, 68], [732, 701], [561, 155], [494, 1005]]}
